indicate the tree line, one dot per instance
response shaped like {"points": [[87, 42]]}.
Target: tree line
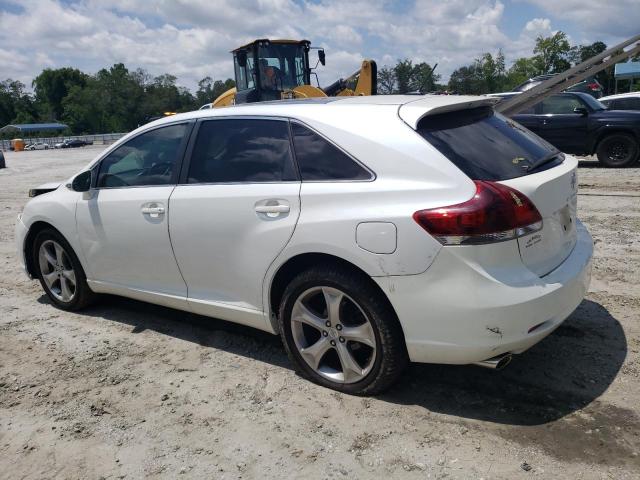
{"points": [[117, 99], [113, 100], [489, 73]]}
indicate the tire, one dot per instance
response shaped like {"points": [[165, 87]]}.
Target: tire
{"points": [[60, 272], [618, 150], [366, 331]]}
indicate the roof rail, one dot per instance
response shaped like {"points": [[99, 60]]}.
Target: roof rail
{"points": [[570, 77]]}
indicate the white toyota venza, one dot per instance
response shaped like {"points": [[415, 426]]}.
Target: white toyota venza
{"points": [[366, 231]]}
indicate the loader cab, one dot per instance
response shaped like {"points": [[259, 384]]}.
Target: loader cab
{"points": [[266, 68]]}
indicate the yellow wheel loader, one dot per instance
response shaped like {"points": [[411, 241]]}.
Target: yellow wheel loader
{"points": [[279, 70]]}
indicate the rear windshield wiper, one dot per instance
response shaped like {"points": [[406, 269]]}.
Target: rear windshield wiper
{"points": [[542, 160]]}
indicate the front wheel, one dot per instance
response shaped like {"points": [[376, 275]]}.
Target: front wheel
{"points": [[617, 150], [59, 271], [340, 332]]}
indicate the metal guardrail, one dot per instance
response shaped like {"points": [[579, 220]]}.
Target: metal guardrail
{"points": [[99, 139]]}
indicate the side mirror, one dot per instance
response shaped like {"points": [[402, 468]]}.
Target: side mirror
{"points": [[321, 57], [82, 182], [242, 58], [581, 111]]}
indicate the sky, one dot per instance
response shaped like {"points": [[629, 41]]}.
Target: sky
{"points": [[191, 39]]}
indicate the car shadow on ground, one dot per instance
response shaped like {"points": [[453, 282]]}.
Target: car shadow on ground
{"points": [[565, 372]]}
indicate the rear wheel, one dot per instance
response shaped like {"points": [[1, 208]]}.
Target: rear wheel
{"points": [[59, 271], [617, 150], [340, 333]]}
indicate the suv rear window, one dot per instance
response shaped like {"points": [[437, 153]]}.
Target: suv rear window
{"points": [[486, 145]]}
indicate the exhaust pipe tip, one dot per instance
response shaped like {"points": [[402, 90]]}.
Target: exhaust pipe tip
{"points": [[496, 363]]}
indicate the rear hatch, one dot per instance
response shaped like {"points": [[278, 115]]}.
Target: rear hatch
{"points": [[554, 193], [490, 147]]}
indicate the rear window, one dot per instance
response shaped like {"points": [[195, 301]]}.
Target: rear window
{"points": [[486, 145]]}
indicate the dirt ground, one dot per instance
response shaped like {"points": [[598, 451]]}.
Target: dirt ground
{"points": [[130, 390]]}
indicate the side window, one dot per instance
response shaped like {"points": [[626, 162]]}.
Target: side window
{"points": [[627, 104], [560, 104], [239, 150], [320, 160], [528, 111], [148, 159]]}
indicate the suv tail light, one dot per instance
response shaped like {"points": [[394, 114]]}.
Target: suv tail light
{"points": [[594, 87], [495, 213]]}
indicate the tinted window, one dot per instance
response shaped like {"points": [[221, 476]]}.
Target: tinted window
{"points": [[484, 144], [559, 104], [320, 160], [626, 104], [240, 150], [148, 159]]}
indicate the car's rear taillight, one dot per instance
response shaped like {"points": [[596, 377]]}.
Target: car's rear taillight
{"points": [[495, 213], [594, 87]]}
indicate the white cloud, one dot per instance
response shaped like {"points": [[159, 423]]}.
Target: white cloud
{"points": [[538, 26], [192, 38], [617, 19]]}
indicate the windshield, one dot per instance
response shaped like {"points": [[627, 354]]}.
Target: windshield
{"points": [[487, 146], [282, 66]]}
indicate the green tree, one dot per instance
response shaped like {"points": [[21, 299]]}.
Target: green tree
{"points": [[406, 77], [16, 105], [51, 86], [204, 94], [208, 90], [423, 79], [492, 71], [467, 80], [522, 69], [553, 53], [219, 87], [386, 80]]}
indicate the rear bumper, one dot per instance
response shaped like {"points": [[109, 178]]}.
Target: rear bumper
{"points": [[461, 311]]}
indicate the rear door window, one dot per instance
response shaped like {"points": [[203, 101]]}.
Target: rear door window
{"points": [[242, 151], [320, 160], [486, 145]]}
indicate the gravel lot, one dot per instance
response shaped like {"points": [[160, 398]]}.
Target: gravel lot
{"points": [[130, 390]]}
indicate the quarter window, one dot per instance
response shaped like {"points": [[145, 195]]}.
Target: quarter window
{"points": [[320, 160], [148, 159], [239, 150]]}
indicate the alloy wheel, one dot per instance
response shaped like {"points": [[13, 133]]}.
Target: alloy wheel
{"points": [[57, 270], [333, 335]]}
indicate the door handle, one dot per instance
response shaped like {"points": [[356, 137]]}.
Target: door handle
{"points": [[153, 210], [280, 208], [272, 208]]}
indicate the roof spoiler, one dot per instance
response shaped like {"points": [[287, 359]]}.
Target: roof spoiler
{"points": [[412, 112]]}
